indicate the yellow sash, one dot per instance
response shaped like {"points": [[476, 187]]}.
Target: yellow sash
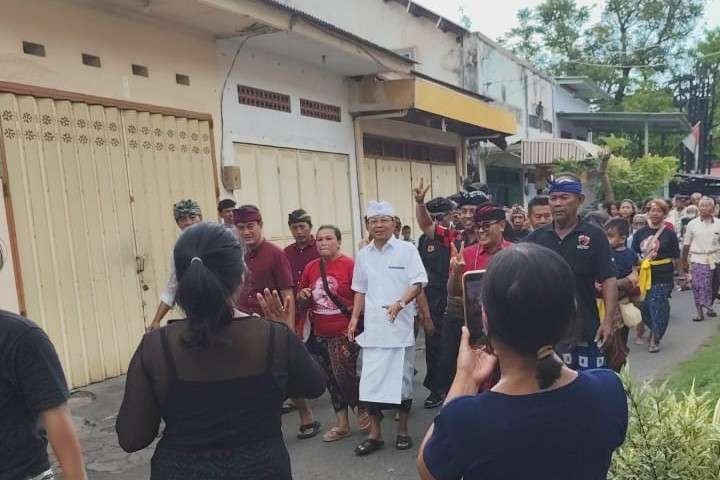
{"points": [[645, 277]]}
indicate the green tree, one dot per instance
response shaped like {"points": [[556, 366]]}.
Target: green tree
{"points": [[641, 178], [633, 41]]}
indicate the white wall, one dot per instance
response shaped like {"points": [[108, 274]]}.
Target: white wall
{"points": [[67, 30], [565, 101], [501, 77], [389, 25], [270, 127], [246, 124]]}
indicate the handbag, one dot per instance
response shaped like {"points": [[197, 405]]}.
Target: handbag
{"points": [[341, 306], [631, 315]]}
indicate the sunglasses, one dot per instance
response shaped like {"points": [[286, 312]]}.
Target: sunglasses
{"points": [[486, 225]]}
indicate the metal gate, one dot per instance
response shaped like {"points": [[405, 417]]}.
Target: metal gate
{"points": [[91, 189]]}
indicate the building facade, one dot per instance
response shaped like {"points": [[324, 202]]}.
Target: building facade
{"points": [[283, 105]]}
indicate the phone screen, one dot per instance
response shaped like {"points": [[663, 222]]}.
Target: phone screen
{"points": [[472, 299]]}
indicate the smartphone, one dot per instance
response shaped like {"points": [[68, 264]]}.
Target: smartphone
{"points": [[472, 302]]}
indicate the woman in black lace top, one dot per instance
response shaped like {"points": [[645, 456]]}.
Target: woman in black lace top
{"points": [[218, 378]]}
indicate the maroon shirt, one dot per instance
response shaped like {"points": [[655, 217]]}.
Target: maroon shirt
{"points": [[300, 257], [268, 267]]}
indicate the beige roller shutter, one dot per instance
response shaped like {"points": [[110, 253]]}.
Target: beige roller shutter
{"points": [[280, 180], [92, 189]]}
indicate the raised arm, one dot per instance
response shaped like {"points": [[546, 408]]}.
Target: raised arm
{"points": [[421, 213]]}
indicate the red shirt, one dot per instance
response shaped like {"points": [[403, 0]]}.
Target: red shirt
{"points": [[450, 235], [476, 258], [268, 267], [328, 320]]}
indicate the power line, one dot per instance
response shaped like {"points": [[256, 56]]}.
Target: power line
{"points": [[652, 65]]}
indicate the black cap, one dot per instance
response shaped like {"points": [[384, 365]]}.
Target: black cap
{"points": [[476, 198], [440, 205]]}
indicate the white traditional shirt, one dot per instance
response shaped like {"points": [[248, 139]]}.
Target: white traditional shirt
{"points": [[703, 238], [168, 295], [675, 217], [383, 276]]}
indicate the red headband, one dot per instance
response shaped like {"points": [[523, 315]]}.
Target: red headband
{"points": [[246, 215]]}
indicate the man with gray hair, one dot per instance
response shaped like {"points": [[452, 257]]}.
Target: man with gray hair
{"points": [[186, 212], [388, 275]]}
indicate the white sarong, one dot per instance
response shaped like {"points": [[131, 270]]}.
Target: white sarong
{"points": [[386, 374]]}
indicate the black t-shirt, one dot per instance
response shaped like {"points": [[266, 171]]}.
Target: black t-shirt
{"points": [[436, 259], [31, 382], [669, 248], [587, 251], [625, 260]]}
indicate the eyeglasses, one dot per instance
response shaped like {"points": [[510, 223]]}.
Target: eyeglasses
{"points": [[485, 225], [438, 216]]}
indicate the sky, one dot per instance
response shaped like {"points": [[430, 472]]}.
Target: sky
{"points": [[494, 18]]}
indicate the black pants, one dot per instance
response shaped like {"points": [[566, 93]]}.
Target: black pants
{"points": [[451, 333], [437, 300], [375, 409]]}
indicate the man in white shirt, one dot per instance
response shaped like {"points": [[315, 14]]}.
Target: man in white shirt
{"points": [[388, 275], [702, 245], [186, 212], [678, 212]]}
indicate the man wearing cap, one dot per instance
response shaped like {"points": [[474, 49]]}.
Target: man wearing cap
{"points": [[268, 267], [299, 254], [490, 225], [435, 256], [186, 212], [388, 275], [468, 202], [586, 249]]}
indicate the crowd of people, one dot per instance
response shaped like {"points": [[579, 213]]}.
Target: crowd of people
{"points": [[266, 328]]}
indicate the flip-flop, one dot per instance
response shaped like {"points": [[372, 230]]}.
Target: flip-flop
{"points": [[403, 442], [335, 434], [314, 429], [698, 319], [654, 348], [640, 341], [369, 446]]}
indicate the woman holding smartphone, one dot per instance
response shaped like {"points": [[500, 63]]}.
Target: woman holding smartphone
{"points": [[542, 420]]}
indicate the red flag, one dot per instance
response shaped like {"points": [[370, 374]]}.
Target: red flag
{"points": [[692, 142]]}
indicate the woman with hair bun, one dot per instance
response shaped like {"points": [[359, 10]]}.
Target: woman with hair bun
{"points": [[542, 420], [218, 378]]}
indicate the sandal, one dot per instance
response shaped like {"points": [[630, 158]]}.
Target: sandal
{"points": [[653, 348], [314, 429], [403, 442], [369, 446], [698, 319], [335, 434], [640, 341]]}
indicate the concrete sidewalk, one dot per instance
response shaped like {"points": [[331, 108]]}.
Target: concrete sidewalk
{"points": [[94, 409]]}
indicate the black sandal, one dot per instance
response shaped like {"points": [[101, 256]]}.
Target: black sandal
{"points": [[314, 429], [369, 446], [403, 442]]}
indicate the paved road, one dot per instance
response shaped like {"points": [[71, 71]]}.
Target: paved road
{"points": [[94, 410]]}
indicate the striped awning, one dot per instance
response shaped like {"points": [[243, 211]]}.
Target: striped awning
{"points": [[546, 151]]}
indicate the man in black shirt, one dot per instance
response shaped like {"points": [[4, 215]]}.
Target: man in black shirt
{"points": [[33, 395], [435, 256], [585, 247]]}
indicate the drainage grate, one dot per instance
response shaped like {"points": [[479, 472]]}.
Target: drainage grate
{"points": [[256, 97], [309, 108]]}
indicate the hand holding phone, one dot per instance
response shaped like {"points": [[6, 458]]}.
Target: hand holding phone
{"points": [[472, 302]]}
